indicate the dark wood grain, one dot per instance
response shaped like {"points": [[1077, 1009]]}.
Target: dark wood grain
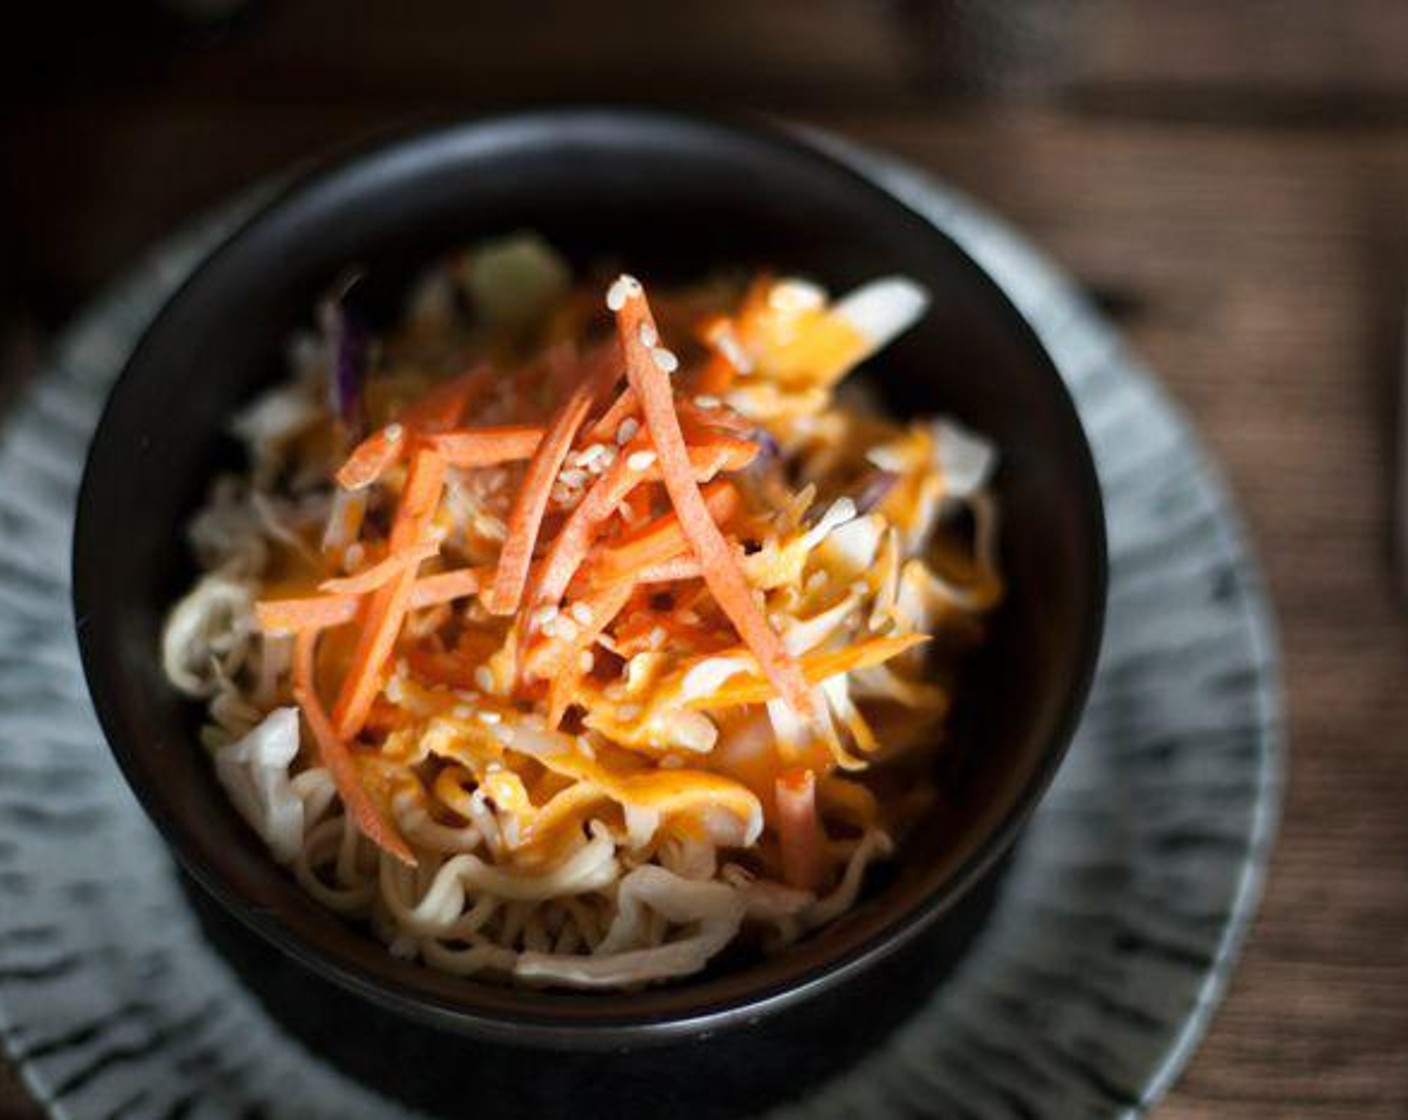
{"points": [[1230, 180]]}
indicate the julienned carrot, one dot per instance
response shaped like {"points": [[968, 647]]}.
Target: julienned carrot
{"points": [[504, 596], [294, 616], [445, 405], [373, 457], [335, 755], [799, 831], [664, 538], [388, 606], [755, 689], [573, 542], [485, 447], [651, 381], [604, 428], [320, 612], [670, 571], [383, 571], [599, 610]]}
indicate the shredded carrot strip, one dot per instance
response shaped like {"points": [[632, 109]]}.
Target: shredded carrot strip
{"points": [[569, 549], [321, 612], [485, 447], [670, 571], [383, 571], [335, 755], [664, 538], [373, 457], [293, 616], [604, 428], [431, 591], [799, 831], [756, 689], [445, 405], [603, 607], [531, 502], [389, 603], [725, 578]]}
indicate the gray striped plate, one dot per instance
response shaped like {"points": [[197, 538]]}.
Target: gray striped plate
{"points": [[1110, 947]]}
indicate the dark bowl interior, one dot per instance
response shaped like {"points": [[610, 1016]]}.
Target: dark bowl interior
{"points": [[667, 196]]}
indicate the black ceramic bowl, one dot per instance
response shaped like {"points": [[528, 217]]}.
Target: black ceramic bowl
{"points": [[667, 196]]}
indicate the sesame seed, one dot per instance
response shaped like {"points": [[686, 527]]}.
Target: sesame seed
{"points": [[394, 432], [504, 734], [641, 460], [665, 359], [628, 711], [625, 287], [627, 431], [484, 678], [490, 717], [585, 661], [573, 476], [581, 612], [705, 401], [733, 351], [566, 628], [591, 453], [354, 557], [657, 637], [543, 615], [648, 337], [585, 747], [815, 581], [689, 618]]}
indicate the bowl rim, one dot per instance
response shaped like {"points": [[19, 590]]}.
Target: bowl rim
{"points": [[698, 1007]]}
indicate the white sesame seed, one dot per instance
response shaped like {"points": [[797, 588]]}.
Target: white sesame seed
{"points": [[573, 476], [705, 401], [591, 453], [581, 612], [543, 615], [641, 460], [566, 628], [648, 337], [665, 359], [504, 734], [672, 762], [628, 711], [657, 637], [490, 717], [484, 678], [393, 432], [354, 557], [624, 288], [627, 431], [585, 661], [732, 350], [494, 767], [689, 618], [585, 747], [815, 581]]}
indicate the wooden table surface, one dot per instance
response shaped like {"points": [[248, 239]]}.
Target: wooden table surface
{"points": [[1231, 180]]}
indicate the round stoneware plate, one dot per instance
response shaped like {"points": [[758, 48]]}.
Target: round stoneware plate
{"points": [[1116, 929]]}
